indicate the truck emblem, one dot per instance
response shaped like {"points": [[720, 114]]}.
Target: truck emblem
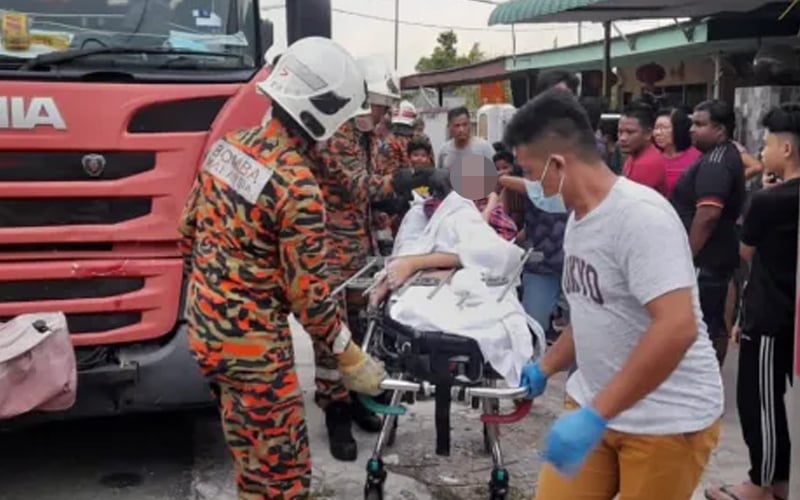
{"points": [[93, 164], [23, 113]]}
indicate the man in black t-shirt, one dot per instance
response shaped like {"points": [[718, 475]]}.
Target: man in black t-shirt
{"points": [[708, 197], [769, 245]]}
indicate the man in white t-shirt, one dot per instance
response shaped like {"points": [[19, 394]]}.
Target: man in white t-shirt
{"points": [[462, 142], [646, 399]]}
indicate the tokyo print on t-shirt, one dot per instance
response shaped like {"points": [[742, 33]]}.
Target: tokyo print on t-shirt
{"points": [[627, 251]]}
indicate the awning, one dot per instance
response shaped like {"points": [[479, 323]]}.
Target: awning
{"points": [[570, 11], [485, 71], [520, 11]]}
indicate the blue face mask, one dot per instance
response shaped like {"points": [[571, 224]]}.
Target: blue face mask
{"points": [[552, 204]]}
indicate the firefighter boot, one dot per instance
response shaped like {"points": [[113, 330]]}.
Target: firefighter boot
{"points": [[339, 420], [364, 418]]}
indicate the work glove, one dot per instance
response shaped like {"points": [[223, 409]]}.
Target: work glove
{"points": [[572, 437], [439, 183], [360, 371], [533, 379]]}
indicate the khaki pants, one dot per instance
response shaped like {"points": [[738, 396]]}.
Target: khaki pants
{"points": [[635, 467]]}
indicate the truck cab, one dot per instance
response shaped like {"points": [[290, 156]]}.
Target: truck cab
{"points": [[106, 110]]}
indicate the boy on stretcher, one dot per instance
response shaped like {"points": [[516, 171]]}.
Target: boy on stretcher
{"points": [[445, 236], [402, 267]]}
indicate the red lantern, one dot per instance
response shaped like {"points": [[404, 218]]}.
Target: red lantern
{"points": [[650, 74]]}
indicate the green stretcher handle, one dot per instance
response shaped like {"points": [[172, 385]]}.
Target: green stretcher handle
{"points": [[379, 408]]}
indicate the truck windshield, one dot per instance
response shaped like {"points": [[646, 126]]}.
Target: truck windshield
{"points": [[198, 34]]}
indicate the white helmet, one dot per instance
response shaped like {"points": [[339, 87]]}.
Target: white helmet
{"points": [[404, 114], [319, 85], [382, 83]]}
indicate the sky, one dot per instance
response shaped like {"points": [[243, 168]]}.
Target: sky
{"points": [[356, 25]]}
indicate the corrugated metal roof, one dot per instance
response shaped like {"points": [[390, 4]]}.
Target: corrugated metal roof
{"points": [[512, 12]]}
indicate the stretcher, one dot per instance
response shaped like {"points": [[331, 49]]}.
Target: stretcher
{"points": [[448, 368]]}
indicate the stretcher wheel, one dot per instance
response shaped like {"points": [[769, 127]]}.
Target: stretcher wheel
{"points": [[374, 494], [376, 476], [498, 484]]}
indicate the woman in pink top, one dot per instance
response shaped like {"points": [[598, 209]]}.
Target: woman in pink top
{"points": [[645, 164], [671, 135]]}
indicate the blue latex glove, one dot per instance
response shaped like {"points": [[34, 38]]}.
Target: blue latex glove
{"points": [[573, 436], [534, 379]]}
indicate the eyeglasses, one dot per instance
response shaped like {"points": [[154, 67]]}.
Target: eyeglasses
{"points": [[662, 128]]}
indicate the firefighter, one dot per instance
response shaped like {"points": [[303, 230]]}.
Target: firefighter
{"points": [[255, 242], [404, 119], [349, 185], [391, 155]]}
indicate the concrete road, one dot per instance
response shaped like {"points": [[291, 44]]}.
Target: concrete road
{"points": [[729, 463], [142, 458], [164, 457], [182, 456]]}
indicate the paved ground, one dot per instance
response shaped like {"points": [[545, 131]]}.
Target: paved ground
{"points": [[181, 456]]}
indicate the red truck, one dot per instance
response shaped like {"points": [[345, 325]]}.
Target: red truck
{"points": [[106, 110]]}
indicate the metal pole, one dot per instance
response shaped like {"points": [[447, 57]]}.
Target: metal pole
{"points": [[793, 407], [717, 75], [513, 44], [528, 87], [580, 32], [396, 31], [607, 61]]}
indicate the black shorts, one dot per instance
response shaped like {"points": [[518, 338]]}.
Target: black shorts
{"points": [[713, 295]]}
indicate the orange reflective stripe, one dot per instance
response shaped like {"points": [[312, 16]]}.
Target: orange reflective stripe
{"points": [[242, 350]]}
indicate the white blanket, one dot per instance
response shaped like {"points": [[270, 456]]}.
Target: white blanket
{"points": [[501, 329]]}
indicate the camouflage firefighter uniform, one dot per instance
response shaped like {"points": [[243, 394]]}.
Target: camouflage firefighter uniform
{"points": [[390, 158], [348, 186], [255, 238], [395, 155]]}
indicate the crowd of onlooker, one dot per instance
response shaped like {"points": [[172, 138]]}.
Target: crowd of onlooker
{"points": [[740, 214]]}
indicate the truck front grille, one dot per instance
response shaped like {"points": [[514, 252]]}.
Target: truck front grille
{"points": [[36, 212], [65, 289], [71, 166], [105, 301]]}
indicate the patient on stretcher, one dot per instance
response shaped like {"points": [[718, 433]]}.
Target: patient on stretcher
{"points": [[480, 268]]}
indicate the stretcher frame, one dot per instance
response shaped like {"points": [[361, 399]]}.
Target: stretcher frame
{"points": [[486, 396]]}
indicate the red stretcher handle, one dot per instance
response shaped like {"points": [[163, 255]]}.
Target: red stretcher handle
{"points": [[522, 411]]}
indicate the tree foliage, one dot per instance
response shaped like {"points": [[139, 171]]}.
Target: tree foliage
{"points": [[445, 54]]}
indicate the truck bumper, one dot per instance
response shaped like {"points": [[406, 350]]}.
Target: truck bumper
{"points": [[148, 378]]}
